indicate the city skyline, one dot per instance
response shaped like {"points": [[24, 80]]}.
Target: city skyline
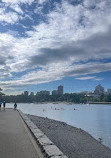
{"points": [[46, 43], [59, 91]]}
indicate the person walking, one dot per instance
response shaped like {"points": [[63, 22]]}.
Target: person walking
{"points": [[15, 106], [4, 104], [0, 105]]}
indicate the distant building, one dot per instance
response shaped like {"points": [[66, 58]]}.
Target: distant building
{"points": [[99, 90], [60, 90], [84, 92], [43, 93], [54, 92], [32, 94], [108, 91], [26, 93]]}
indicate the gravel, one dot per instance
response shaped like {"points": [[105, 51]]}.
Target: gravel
{"points": [[73, 142]]}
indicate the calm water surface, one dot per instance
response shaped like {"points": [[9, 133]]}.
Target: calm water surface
{"points": [[95, 119]]}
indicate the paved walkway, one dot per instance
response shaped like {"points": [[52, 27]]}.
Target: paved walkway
{"points": [[15, 138]]}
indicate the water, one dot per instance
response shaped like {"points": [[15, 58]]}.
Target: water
{"points": [[95, 119]]}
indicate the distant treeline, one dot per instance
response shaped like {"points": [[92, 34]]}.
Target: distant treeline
{"points": [[73, 97]]}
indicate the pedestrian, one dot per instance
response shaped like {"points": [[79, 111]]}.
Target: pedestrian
{"points": [[15, 106], [0, 105], [4, 104]]}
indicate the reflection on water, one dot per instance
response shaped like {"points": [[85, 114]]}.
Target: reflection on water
{"points": [[95, 119]]}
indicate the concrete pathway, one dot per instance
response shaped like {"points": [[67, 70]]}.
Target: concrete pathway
{"points": [[15, 138]]}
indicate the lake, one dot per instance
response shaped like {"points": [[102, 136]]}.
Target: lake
{"points": [[95, 119]]}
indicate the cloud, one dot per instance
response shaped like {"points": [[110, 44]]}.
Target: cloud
{"points": [[13, 11], [10, 17], [95, 47], [41, 1], [57, 72], [73, 41], [89, 78], [17, 8], [17, 1]]}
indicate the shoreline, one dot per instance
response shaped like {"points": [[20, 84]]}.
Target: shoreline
{"points": [[99, 102], [72, 141], [66, 103]]}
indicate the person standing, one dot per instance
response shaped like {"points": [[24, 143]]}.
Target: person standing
{"points": [[0, 105], [15, 106], [4, 104]]}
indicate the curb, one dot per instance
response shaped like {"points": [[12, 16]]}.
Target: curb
{"points": [[47, 146]]}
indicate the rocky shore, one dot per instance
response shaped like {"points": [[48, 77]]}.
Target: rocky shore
{"points": [[73, 142]]}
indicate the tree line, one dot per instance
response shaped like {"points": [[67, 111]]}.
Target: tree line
{"points": [[72, 97]]}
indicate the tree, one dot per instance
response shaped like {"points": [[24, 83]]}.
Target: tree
{"points": [[1, 94]]}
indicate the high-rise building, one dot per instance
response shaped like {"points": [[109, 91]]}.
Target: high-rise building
{"points": [[54, 92], [26, 93], [99, 90], [60, 90], [108, 91], [32, 94], [43, 93]]}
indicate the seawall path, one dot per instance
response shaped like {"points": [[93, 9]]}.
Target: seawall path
{"points": [[16, 140]]}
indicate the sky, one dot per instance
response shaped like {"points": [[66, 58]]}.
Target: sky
{"points": [[47, 43]]}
